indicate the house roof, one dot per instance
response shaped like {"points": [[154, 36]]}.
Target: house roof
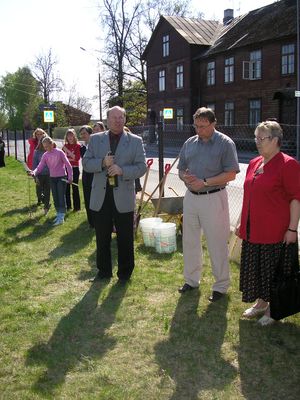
{"points": [[194, 31], [275, 21]]}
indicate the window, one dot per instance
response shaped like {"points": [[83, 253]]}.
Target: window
{"points": [[166, 45], [252, 68], [229, 70], [211, 71], [229, 113], [255, 57], [179, 77], [179, 119], [288, 59], [162, 80], [254, 111]]}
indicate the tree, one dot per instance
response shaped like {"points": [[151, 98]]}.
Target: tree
{"points": [[129, 27], [135, 103], [3, 120], [153, 9], [75, 100], [118, 21], [43, 70], [19, 97]]}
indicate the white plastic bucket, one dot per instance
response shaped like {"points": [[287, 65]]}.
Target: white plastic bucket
{"points": [[165, 237], [147, 226]]}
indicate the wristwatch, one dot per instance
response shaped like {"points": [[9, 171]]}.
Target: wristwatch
{"points": [[205, 182]]}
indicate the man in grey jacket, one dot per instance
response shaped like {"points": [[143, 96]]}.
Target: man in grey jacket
{"points": [[116, 158]]}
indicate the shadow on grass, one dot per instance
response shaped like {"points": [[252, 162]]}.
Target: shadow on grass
{"points": [[39, 229], [192, 354], [73, 241], [23, 210], [79, 338], [269, 361]]}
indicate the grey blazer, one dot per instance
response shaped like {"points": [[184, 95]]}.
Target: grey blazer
{"points": [[130, 156]]}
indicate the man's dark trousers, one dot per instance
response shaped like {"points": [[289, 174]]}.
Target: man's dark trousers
{"points": [[104, 221]]}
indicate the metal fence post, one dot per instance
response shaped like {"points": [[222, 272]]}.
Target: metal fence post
{"points": [[7, 141], [160, 152], [24, 145], [16, 145]]}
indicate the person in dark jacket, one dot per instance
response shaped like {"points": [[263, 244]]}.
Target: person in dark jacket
{"points": [[87, 177], [2, 152]]}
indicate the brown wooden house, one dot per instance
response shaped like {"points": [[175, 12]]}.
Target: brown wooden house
{"points": [[244, 68]]}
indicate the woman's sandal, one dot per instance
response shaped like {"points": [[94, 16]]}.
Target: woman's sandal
{"points": [[265, 321], [253, 312]]}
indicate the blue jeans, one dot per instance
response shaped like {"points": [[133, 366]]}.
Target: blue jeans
{"points": [[58, 188]]}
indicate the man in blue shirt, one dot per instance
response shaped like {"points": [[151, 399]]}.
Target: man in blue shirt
{"points": [[208, 161]]}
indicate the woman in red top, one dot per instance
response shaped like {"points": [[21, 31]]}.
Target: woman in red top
{"points": [[72, 150], [270, 216]]}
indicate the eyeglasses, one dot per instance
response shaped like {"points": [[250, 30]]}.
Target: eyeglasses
{"points": [[201, 126], [261, 139]]}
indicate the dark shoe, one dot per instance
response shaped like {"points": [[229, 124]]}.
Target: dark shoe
{"points": [[100, 277], [185, 288], [215, 296], [123, 281]]}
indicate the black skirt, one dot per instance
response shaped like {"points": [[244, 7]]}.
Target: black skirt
{"points": [[258, 266]]}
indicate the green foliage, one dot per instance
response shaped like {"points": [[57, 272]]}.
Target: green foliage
{"points": [[3, 120], [134, 100], [135, 103], [19, 98]]}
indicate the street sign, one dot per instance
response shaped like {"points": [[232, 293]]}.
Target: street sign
{"points": [[297, 93], [48, 116], [168, 113]]}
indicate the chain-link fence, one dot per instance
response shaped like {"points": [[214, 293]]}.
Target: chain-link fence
{"points": [[172, 140], [242, 135]]}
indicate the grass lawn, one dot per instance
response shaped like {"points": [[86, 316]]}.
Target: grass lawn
{"points": [[63, 337]]}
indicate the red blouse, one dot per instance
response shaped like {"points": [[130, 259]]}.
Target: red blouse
{"points": [[267, 198], [73, 153]]}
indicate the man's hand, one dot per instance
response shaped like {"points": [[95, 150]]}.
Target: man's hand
{"points": [[114, 170], [192, 182], [108, 161]]}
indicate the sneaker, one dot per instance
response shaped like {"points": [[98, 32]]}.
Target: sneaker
{"points": [[59, 221]]}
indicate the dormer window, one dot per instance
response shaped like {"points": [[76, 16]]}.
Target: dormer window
{"points": [[166, 45]]}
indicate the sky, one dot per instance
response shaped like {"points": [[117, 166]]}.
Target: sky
{"points": [[30, 28]]}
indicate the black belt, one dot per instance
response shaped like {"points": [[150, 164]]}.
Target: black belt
{"points": [[208, 191]]}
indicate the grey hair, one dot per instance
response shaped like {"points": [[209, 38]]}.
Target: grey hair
{"points": [[273, 128]]}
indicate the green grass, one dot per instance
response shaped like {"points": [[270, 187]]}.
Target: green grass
{"points": [[63, 337]]}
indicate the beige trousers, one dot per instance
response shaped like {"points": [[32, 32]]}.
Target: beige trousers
{"points": [[208, 213]]}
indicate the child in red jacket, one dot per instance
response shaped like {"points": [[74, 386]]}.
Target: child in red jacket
{"points": [[72, 150]]}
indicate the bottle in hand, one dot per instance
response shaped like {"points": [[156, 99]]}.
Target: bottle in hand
{"points": [[112, 180]]}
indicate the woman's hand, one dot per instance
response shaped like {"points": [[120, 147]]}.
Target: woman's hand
{"points": [[237, 230], [290, 237]]}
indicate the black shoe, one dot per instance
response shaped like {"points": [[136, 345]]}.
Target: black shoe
{"points": [[123, 281], [215, 296], [100, 277], [185, 288]]}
